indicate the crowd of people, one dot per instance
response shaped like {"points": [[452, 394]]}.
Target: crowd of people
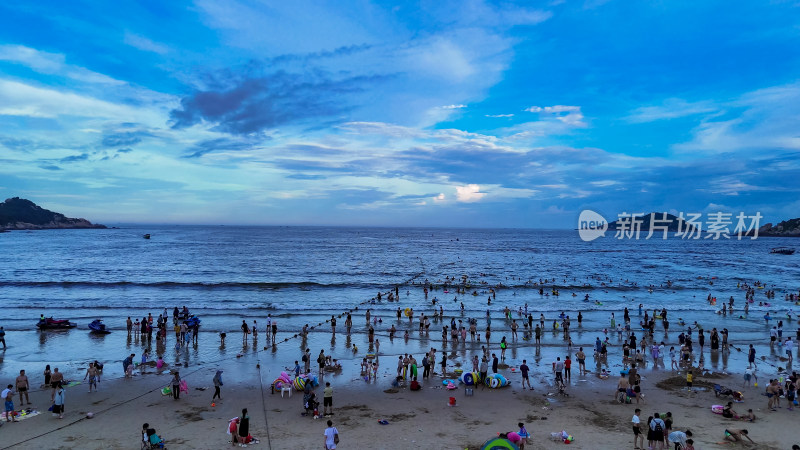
{"points": [[637, 346]]}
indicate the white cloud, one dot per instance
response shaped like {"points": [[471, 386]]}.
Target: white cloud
{"points": [[469, 193], [442, 58], [498, 115], [672, 108], [553, 109], [758, 120], [51, 64], [570, 115], [35, 59], [144, 44], [453, 106], [439, 198], [18, 99], [604, 183], [553, 209]]}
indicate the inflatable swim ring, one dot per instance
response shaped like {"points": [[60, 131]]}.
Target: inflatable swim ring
{"points": [[495, 381], [370, 355], [470, 378], [299, 384], [717, 409], [407, 312]]}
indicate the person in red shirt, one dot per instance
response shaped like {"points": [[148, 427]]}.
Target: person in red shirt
{"points": [[567, 365]]}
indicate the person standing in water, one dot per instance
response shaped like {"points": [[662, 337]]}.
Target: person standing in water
{"points": [[245, 332]]}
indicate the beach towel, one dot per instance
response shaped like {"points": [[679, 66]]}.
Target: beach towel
{"points": [[232, 425], [21, 414]]}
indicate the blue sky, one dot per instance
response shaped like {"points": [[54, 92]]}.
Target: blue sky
{"points": [[464, 113]]}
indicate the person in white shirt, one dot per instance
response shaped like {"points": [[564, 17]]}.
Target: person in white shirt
{"points": [[788, 346], [8, 397], [331, 436], [638, 437], [679, 438], [558, 368]]}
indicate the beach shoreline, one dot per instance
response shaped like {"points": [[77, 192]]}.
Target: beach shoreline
{"points": [[121, 404]]}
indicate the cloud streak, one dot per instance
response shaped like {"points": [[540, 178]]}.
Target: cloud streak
{"points": [[261, 102]]}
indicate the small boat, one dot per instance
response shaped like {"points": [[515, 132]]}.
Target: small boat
{"points": [[146, 236], [782, 251], [55, 324], [97, 326]]}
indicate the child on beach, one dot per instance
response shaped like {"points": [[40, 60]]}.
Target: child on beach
{"points": [[523, 433]]}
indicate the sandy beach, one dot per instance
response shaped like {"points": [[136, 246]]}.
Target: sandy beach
{"points": [[422, 419]]}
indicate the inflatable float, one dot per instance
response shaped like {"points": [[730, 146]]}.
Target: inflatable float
{"points": [[470, 378], [495, 381], [282, 381], [499, 443]]}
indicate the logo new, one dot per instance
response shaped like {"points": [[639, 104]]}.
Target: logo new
{"points": [[591, 225]]}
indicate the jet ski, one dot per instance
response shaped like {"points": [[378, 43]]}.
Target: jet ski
{"points": [[97, 326], [192, 321], [55, 324]]}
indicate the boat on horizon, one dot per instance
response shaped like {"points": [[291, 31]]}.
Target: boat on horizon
{"points": [[782, 251], [146, 236], [55, 324], [97, 326]]}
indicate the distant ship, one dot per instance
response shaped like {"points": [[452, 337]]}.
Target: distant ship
{"points": [[782, 251], [146, 236]]}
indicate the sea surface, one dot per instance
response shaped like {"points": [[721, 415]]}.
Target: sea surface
{"points": [[304, 275]]}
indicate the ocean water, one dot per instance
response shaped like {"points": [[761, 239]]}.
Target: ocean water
{"points": [[303, 275]]}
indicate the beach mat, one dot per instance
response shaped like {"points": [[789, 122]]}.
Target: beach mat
{"points": [[22, 414]]}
